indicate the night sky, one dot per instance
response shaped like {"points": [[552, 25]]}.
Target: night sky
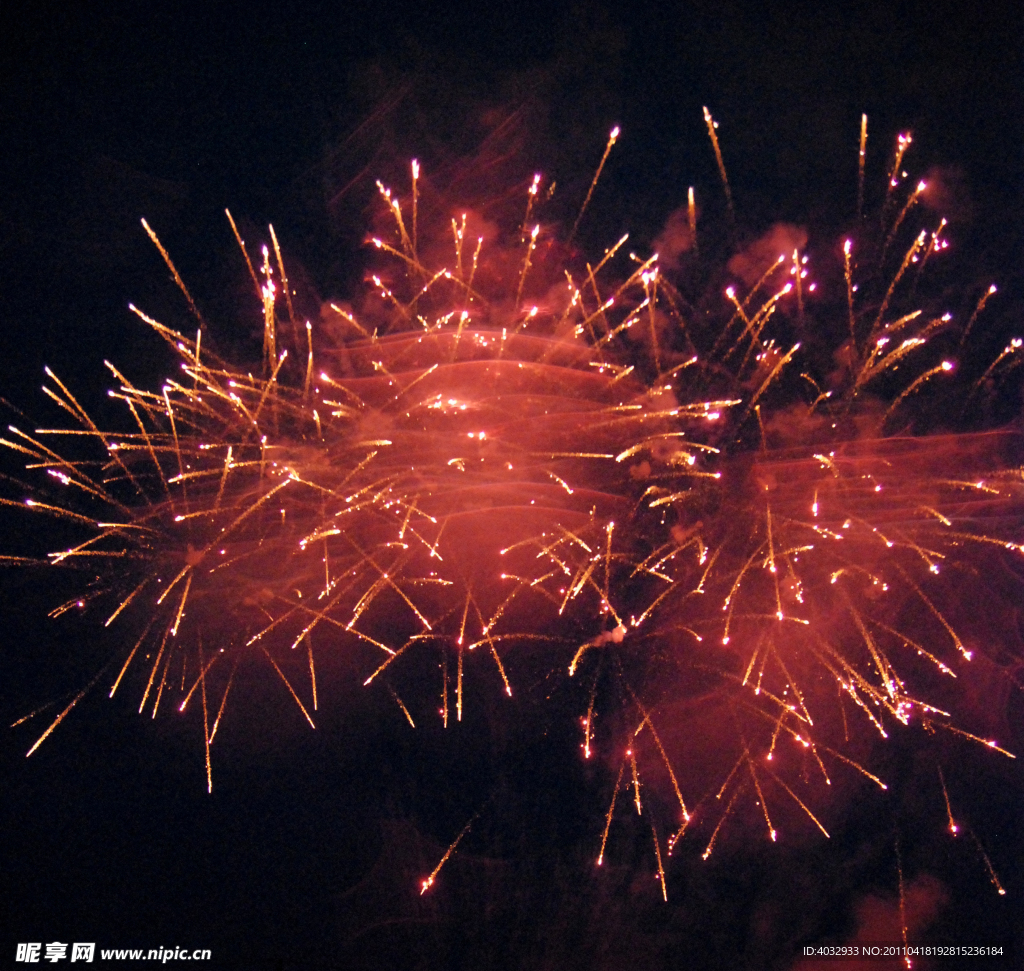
{"points": [[309, 851]]}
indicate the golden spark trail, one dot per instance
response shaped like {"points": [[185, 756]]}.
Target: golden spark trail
{"points": [[711, 126], [429, 882], [612, 137]]}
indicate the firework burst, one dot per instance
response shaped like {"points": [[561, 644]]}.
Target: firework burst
{"points": [[706, 510]]}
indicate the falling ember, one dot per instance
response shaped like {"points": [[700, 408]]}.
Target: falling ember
{"points": [[712, 125], [992, 875], [660, 875], [953, 828], [740, 551], [612, 138], [426, 884], [691, 216], [903, 908], [861, 156]]}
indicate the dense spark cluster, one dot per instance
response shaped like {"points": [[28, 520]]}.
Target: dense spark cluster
{"points": [[739, 550]]}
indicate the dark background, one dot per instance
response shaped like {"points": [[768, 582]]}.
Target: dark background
{"points": [[310, 848]]}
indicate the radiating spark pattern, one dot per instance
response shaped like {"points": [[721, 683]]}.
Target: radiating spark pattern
{"points": [[748, 562]]}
